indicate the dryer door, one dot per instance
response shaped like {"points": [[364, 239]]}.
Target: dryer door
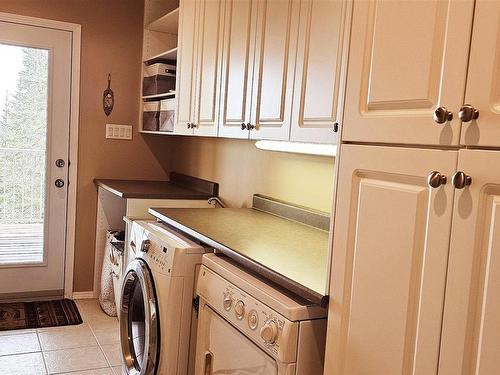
{"points": [[222, 349], [139, 326]]}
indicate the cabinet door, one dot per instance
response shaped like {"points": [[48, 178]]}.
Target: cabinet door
{"points": [[237, 67], [208, 69], [275, 52], [185, 67], [390, 251], [471, 324], [320, 69], [407, 58], [483, 81]]}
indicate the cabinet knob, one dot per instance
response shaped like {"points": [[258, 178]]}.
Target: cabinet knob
{"points": [[189, 125], [460, 180], [468, 113], [335, 127], [436, 179], [243, 126], [442, 115], [250, 126], [193, 125]]}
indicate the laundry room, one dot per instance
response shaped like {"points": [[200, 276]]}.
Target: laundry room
{"points": [[273, 187]]}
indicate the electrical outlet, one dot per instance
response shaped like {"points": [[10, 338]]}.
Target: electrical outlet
{"points": [[114, 131]]}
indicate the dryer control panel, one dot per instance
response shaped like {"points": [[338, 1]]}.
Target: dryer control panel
{"points": [[271, 331]]}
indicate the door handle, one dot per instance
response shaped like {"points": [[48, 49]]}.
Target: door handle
{"points": [[208, 363], [442, 115], [468, 113], [436, 179], [59, 183], [460, 180]]}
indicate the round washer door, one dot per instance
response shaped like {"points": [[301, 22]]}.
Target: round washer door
{"points": [[139, 326]]}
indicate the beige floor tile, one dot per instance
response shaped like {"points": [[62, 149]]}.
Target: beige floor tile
{"points": [[22, 364], [79, 359], [99, 322], [101, 371], [109, 334], [17, 344], [17, 331], [67, 337], [118, 370], [113, 353]]}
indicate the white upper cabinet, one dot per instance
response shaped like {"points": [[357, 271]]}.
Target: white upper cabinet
{"points": [[237, 67], [208, 66], [471, 324], [483, 81], [274, 66], [390, 252], [320, 71], [407, 59], [186, 68]]}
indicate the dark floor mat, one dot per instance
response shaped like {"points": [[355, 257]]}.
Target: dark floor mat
{"points": [[41, 314]]}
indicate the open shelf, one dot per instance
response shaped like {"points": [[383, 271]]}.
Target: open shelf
{"points": [[168, 23], [170, 55], [157, 96]]}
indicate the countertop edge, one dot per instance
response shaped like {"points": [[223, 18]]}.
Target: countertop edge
{"points": [[192, 195], [275, 277]]}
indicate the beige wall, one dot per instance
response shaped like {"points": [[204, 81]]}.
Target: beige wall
{"points": [[111, 42], [242, 170]]}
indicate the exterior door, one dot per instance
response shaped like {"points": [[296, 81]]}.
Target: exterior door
{"points": [[407, 59], [222, 349], [275, 51], [390, 252], [35, 83], [320, 70], [237, 68], [471, 333], [186, 65], [208, 68], [483, 81]]}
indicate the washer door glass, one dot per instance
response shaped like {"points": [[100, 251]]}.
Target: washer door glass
{"points": [[224, 350], [138, 321]]}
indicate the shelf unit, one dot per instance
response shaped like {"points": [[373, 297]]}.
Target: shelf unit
{"points": [[159, 96], [161, 24], [168, 23]]}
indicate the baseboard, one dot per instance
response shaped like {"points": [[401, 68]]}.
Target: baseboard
{"points": [[84, 295], [43, 295]]}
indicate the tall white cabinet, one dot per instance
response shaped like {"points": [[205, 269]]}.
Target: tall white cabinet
{"points": [[391, 245], [471, 325], [415, 272]]}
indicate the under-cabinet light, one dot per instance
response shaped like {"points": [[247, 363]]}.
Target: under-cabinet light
{"points": [[299, 148]]}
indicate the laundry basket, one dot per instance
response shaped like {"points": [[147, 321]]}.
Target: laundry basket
{"points": [[111, 269]]}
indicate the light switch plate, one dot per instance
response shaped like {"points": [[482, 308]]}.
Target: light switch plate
{"points": [[114, 131]]}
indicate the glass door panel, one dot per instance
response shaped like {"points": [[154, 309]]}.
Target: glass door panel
{"points": [[23, 147]]}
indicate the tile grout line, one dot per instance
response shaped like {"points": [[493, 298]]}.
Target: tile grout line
{"points": [[41, 352]]}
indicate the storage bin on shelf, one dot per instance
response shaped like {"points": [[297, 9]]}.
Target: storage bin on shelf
{"points": [[159, 115], [158, 79]]}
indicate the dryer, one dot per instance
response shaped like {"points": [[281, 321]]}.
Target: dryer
{"points": [[157, 318], [249, 326]]}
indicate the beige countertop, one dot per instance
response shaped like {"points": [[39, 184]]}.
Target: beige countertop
{"points": [[295, 251]]}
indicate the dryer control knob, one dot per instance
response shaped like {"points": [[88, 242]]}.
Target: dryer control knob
{"points": [[269, 332], [239, 309], [228, 303]]}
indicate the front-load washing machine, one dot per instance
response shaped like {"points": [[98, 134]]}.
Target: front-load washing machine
{"points": [[250, 326], [157, 309]]}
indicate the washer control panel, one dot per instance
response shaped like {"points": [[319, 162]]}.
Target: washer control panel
{"points": [[271, 331]]}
